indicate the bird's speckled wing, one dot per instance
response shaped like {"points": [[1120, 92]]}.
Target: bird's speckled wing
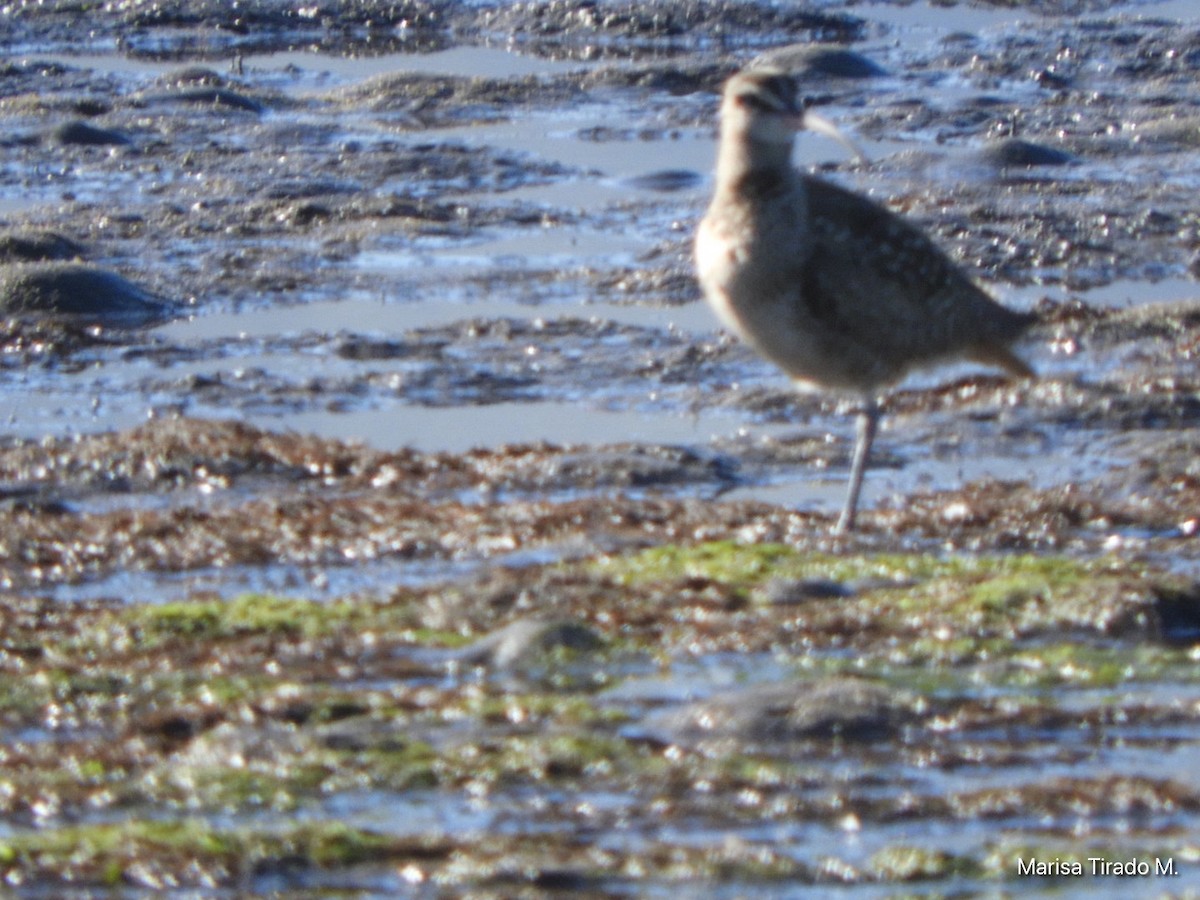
{"points": [[880, 283]]}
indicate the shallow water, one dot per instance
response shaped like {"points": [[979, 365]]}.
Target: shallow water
{"points": [[390, 286]]}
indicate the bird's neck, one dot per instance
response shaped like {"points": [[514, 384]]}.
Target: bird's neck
{"points": [[752, 167]]}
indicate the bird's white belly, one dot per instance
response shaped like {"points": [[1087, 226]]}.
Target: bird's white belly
{"points": [[770, 316], [726, 270], [772, 330]]}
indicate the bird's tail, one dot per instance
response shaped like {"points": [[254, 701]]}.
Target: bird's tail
{"points": [[1006, 326], [1002, 357]]}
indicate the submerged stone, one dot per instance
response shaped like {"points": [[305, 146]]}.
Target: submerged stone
{"points": [[851, 709], [527, 641], [795, 591]]}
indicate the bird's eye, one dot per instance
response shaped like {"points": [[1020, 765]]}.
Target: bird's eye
{"points": [[779, 86], [757, 102]]}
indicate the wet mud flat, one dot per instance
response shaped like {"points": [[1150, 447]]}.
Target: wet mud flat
{"points": [[381, 515]]}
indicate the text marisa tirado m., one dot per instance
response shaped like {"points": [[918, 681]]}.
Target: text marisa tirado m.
{"points": [[1099, 866]]}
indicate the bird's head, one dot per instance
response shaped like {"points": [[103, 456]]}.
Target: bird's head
{"points": [[766, 106]]}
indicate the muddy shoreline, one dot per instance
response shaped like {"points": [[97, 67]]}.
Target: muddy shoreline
{"points": [[387, 518]]}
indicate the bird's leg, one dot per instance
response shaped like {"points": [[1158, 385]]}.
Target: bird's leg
{"points": [[868, 424]]}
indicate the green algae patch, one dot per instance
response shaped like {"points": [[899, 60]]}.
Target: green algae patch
{"points": [[989, 583], [219, 631], [1071, 662], [954, 608], [744, 566], [249, 614], [260, 708], [191, 851]]}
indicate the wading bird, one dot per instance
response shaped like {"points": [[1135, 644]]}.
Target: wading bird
{"points": [[836, 290]]}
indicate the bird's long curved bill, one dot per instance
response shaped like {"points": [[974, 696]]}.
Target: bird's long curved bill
{"points": [[821, 125]]}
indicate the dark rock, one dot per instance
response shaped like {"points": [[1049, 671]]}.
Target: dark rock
{"points": [[1178, 615], [91, 106], [208, 96], [72, 289], [84, 135], [820, 60], [1017, 153], [37, 246], [303, 214], [852, 709], [360, 348], [665, 181], [793, 591], [527, 640], [364, 733]]}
